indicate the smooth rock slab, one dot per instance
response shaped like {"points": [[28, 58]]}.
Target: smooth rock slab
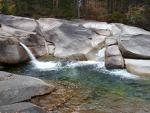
{"points": [[135, 46], [15, 88], [70, 41], [138, 67], [24, 107]]}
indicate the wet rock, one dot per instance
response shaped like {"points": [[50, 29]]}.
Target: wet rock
{"points": [[113, 58], [138, 67], [135, 46], [23, 107], [15, 88]]}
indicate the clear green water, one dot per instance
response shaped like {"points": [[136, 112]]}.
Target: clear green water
{"points": [[108, 90]]}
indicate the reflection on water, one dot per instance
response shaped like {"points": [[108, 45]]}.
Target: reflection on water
{"points": [[85, 85]]}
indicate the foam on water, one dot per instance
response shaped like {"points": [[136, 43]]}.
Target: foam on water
{"points": [[80, 63], [44, 66]]}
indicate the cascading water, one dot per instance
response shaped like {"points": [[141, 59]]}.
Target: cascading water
{"points": [[32, 57], [51, 65]]}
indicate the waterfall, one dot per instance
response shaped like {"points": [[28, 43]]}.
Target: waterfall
{"points": [[51, 65], [101, 55], [32, 57]]}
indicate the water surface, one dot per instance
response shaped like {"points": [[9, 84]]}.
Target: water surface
{"points": [[88, 85]]}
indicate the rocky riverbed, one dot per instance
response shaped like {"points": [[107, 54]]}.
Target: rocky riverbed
{"points": [[127, 47]]}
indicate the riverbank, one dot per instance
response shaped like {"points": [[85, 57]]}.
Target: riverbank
{"points": [[15, 90]]}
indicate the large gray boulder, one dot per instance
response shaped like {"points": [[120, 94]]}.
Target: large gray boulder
{"points": [[23, 107], [138, 67], [135, 46], [16, 88], [10, 50], [113, 58], [26, 30], [19, 23], [70, 40]]}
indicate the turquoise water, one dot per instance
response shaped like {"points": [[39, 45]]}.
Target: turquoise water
{"points": [[105, 89]]}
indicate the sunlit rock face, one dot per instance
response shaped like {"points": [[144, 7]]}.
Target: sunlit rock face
{"points": [[138, 67], [135, 46]]}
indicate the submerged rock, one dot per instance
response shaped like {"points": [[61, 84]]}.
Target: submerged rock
{"points": [[15, 88], [138, 67], [23, 107]]}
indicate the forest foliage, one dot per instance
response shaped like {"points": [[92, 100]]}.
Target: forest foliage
{"points": [[132, 12]]}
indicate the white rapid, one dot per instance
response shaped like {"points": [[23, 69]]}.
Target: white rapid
{"points": [[99, 65]]}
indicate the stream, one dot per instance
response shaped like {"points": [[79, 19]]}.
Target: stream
{"points": [[87, 86]]}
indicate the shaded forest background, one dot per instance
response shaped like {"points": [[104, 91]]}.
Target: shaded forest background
{"points": [[131, 12]]}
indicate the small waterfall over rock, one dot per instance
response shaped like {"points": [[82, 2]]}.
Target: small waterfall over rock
{"points": [[101, 55], [51, 65], [32, 57]]}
